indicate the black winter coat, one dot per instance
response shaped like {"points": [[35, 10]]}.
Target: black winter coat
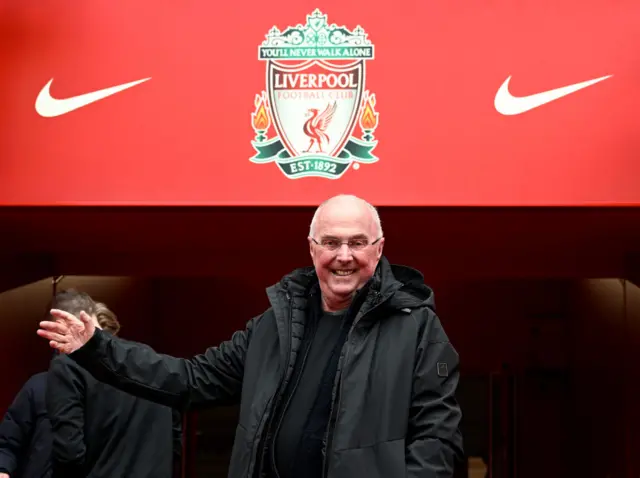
{"points": [[99, 431], [394, 413]]}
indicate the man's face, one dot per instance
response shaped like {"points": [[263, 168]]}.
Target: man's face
{"points": [[343, 270]]}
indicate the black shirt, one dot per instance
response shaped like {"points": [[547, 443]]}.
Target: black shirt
{"points": [[306, 416]]}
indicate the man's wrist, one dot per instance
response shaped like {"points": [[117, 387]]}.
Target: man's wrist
{"points": [[88, 351]]}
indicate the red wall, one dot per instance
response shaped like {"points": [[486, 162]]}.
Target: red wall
{"points": [[185, 136]]}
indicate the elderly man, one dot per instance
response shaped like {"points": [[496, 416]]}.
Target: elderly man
{"points": [[348, 374]]}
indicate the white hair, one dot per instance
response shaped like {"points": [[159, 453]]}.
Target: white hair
{"points": [[372, 208]]}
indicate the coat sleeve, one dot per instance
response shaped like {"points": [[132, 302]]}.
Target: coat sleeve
{"points": [[434, 441], [214, 377], [66, 390], [16, 429]]}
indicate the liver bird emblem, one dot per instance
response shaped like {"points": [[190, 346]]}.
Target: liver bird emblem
{"points": [[315, 127]]}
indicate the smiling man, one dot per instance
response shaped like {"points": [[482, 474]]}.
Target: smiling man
{"points": [[348, 374], [342, 270]]}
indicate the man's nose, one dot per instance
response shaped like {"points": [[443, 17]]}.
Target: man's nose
{"points": [[344, 252]]}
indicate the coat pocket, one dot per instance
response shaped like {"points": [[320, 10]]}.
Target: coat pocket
{"points": [[382, 460]]}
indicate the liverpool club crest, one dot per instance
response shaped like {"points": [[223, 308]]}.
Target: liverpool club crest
{"points": [[315, 117]]}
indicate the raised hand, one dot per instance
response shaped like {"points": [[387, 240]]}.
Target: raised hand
{"points": [[67, 333]]}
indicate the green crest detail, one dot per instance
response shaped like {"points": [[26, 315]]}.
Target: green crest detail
{"points": [[315, 97]]}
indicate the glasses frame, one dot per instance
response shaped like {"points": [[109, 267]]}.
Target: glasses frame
{"points": [[347, 243]]}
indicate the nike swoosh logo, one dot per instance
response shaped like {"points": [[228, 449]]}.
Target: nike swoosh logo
{"points": [[49, 107], [507, 104]]}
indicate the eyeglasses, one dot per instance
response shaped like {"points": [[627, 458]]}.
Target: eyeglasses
{"points": [[333, 244]]}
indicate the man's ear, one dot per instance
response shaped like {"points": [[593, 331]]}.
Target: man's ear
{"points": [[311, 244], [380, 247]]}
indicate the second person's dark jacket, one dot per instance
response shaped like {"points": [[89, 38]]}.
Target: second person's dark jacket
{"points": [[25, 433], [101, 432]]}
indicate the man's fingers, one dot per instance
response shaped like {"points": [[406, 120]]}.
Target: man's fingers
{"points": [[61, 314], [85, 317], [57, 327], [53, 336]]}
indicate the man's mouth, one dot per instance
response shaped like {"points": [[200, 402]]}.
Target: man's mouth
{"points": [[343, 272]]}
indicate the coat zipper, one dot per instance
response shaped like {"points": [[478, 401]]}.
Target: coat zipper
{"points": [[284, 410], [278, 391]]}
